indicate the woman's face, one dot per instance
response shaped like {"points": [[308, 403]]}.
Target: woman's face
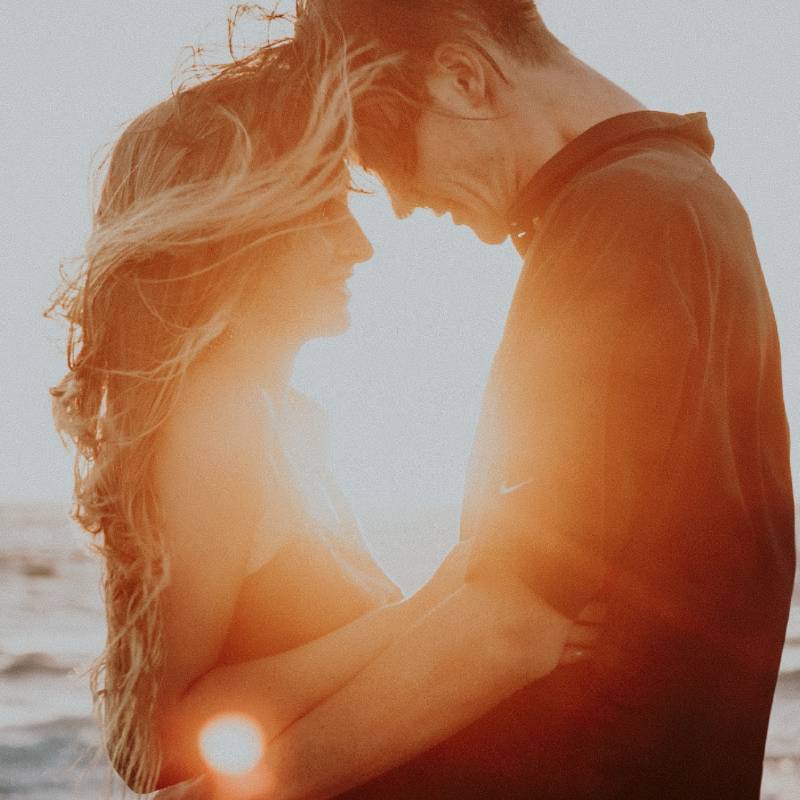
{"points": [[303, 292]]}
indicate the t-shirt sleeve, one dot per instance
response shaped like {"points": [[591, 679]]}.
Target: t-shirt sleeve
{"points": [[583, 413]]}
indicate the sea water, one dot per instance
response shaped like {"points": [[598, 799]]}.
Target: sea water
{"points": [[51, 627]]}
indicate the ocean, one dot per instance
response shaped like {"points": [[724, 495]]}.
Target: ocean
{"points": [[51, 626]]}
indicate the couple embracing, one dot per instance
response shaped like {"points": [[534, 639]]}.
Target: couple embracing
{"points": [[611, 623]]}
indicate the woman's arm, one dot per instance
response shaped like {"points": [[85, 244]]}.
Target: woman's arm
{"points": [[279, 689], [275, 690], [469, 653]]}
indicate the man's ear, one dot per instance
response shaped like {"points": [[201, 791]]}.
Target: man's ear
{"points": [[463, 79]]}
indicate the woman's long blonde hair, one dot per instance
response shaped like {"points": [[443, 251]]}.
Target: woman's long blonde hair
{"points": [[235, 162]]}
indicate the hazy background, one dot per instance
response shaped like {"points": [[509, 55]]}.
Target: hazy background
{"points": [[403, 387]]}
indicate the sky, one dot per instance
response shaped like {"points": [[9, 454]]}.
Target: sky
{"points": [[403, 386]]}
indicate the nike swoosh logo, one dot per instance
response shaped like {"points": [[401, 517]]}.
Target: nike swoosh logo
{"points": [[504, 489]]}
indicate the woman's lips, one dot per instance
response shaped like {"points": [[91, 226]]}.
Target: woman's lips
{"points": [[338, 286], [340, 278]]}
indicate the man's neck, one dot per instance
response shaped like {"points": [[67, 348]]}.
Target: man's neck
{"points": [[556, 105]]}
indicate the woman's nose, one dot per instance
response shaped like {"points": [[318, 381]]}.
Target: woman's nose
{"points": [[353, 243]]}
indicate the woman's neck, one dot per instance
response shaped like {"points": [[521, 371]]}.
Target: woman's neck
{"points": [[260, 357]]}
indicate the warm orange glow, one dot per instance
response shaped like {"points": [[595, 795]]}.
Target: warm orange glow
{"points": [[232, 744]]}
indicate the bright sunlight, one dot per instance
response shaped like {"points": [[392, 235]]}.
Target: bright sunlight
{"points": [[232, 744]]}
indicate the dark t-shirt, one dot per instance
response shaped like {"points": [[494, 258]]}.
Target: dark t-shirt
{"points": [[633, 447]]}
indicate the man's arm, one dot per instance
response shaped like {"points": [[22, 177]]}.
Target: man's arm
{"points": [[477, 647]]}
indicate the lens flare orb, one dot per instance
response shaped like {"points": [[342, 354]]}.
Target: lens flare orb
{"points": [[232, 744]]}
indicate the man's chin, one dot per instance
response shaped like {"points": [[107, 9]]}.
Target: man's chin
{"points": [[336, 325], [488, 236], [485, 233]]}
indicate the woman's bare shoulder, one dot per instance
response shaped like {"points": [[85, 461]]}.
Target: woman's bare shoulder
{"points": [[212, 451], [208, 478]]}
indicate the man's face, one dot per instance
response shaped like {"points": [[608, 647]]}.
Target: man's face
{"points": [[454, 174]]}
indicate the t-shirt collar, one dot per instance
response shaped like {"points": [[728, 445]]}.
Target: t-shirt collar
{"points": [[555, 173]]}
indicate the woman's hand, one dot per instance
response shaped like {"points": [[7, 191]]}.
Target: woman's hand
{"points": [[584, 634]]}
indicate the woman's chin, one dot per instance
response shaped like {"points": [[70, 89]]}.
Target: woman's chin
{"points": [[333, 325], [339, 327]]}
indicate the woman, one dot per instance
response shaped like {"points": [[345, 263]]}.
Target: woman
{"points": [[235, 578]]}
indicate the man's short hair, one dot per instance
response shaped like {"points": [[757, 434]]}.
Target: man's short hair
{"points": [[418, 27], [408, 32]]}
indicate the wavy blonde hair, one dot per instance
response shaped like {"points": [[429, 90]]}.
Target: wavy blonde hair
{"points": [[236, 162]]}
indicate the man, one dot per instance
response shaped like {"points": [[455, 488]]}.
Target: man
{"points": [[633, 445]]}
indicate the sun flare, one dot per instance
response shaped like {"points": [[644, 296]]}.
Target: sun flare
{"points": [[232, 744]]}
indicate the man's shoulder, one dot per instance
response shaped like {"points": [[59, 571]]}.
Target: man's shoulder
{"points": [[637, 185]]}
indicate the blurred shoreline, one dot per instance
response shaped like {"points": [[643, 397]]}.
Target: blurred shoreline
{"points": [[51, 628]]}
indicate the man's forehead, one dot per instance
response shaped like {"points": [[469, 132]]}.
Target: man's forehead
{"points": [[406, 197], [402, 206]]}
